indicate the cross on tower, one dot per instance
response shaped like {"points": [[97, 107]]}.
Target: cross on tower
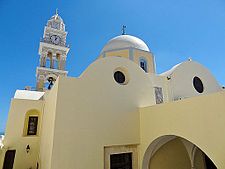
{"points": [[124, 30]]}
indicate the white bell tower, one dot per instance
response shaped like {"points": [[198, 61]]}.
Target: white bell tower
{"points": [[53, 52]]}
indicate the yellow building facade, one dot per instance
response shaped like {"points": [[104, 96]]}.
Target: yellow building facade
{"points": [[119, 114]]}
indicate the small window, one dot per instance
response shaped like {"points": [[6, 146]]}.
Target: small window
{"points": [[121, 157], [119, 77], [121, 161], [198, 85], [158, 95], [32, 125], [143, 65], [32, 122]]}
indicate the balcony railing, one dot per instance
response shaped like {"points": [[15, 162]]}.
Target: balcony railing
{"points": [[45, 40]]}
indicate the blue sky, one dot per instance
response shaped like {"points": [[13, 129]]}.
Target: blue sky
{"points": [[174, 31]]}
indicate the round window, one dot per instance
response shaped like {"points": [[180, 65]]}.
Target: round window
{"points": [[119, 77], [198, 85]]}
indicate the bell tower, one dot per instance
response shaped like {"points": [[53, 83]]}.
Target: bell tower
{"points": [[53, 52]]}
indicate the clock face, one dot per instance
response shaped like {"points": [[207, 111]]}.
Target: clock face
{"points": [[55, 39]]}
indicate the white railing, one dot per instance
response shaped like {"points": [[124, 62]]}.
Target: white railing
{"points": [[49, 41]]}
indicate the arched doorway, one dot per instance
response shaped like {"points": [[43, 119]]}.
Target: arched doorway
{"points": [[172, 152]]}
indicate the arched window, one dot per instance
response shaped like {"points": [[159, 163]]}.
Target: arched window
{"points": [[144, 64], [31, 123]]}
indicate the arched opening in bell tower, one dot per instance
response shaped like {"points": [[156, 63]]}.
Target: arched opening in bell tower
{"points": [[49, 81], [57, 61], [49, 60]]}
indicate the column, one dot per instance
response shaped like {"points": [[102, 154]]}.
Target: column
{"points": [[58, 59], [43, 59], [62, 62], [40, 82], [51, 61]]}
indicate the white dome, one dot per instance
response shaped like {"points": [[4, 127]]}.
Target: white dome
{"points": [[125, 41]]}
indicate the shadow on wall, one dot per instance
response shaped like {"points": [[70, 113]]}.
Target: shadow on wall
{"points": [[172, 152]]}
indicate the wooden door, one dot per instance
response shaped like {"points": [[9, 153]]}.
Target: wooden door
{"points": [[9, 159]]}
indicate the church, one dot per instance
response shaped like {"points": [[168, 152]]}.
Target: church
{"points": [[118, 114]]}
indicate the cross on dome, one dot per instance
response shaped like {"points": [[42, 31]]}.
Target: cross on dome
{"points": [[124, 30]]}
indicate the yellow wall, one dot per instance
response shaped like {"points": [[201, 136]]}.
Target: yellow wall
{"points": [[134, 55], [200, 120], [172, 155], [94, 112], [1, 158], [82, 116], [68, 128], [121, 53], [14, 138], [2, 154], [47, 133]]}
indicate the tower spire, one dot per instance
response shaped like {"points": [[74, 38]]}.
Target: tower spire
{"points": [[56, 11]]}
